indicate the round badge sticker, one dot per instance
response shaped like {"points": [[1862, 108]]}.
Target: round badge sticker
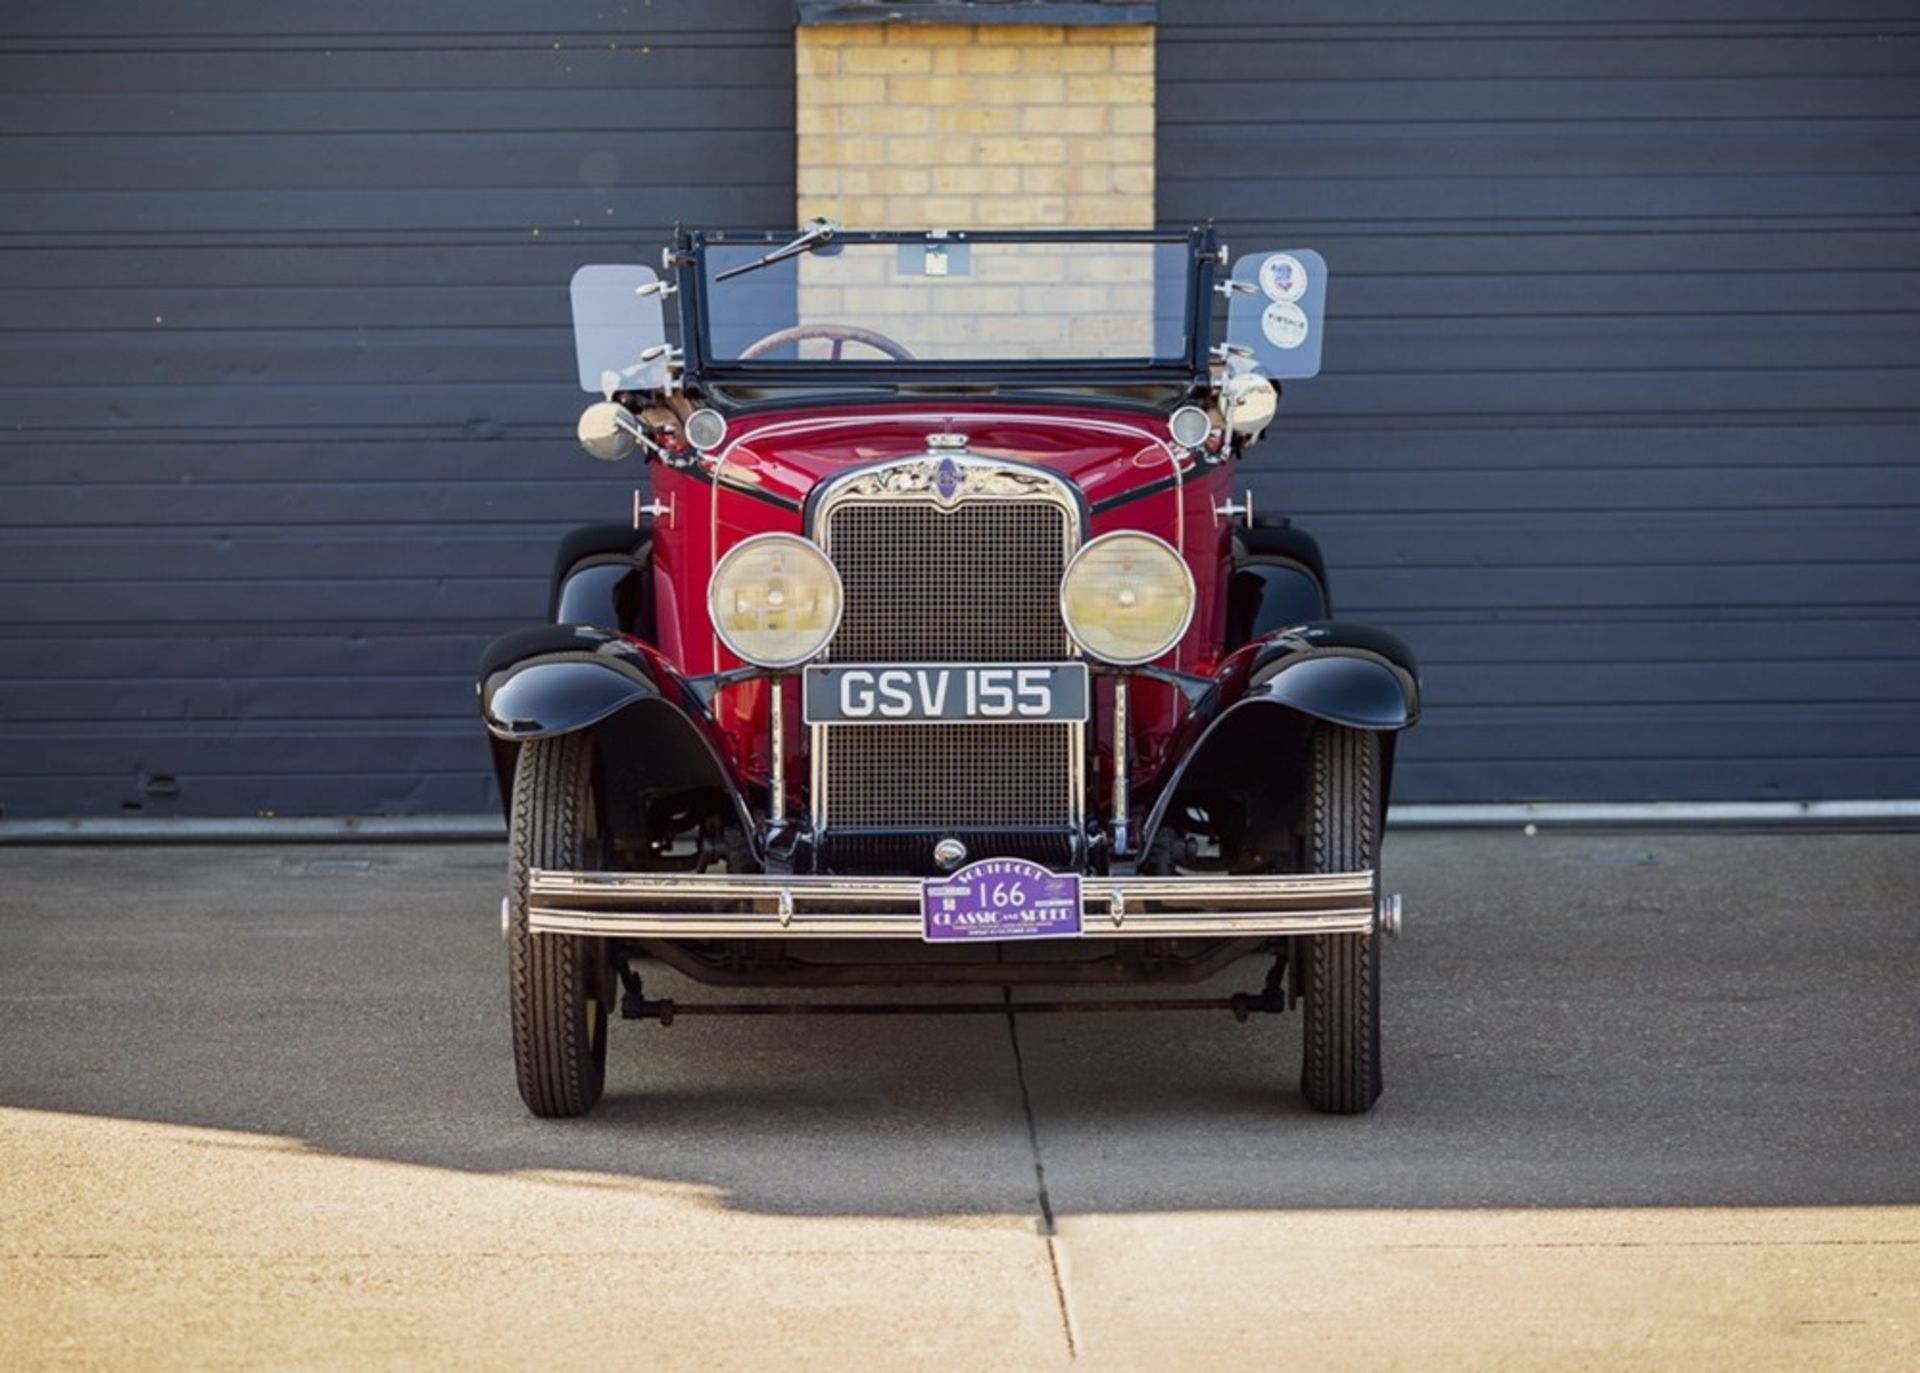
{"points": [[1283, 277], [1284, 324]]}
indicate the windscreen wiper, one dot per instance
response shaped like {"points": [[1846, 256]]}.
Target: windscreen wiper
{"points": [[818, 233]]}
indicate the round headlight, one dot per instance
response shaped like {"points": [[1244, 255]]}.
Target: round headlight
{"points": [[775, 600], [1127, 597]]}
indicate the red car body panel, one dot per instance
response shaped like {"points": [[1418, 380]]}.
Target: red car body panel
{"points": [[759, 480]]}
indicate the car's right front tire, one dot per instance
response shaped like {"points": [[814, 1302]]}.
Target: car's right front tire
{"points": [[560, 985]]}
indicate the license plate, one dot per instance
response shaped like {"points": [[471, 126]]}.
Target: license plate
{"points": [[946, 693], [1000, 898]]}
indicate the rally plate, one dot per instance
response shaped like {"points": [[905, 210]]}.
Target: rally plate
{"points": [[1000, 898]]}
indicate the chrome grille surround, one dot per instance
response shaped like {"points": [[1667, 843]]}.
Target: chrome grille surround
{"points": [[949, 558]]}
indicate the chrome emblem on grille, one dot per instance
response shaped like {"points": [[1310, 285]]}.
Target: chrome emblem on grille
{"points": [[946, 481]]}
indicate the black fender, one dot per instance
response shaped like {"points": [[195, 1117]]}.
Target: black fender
{"points": [[1241, 758], [603, 576], [1279, 579], [1348, 674], [657, 737]]}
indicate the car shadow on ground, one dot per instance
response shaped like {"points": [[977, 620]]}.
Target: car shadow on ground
{"points": [[1565, 1028]]}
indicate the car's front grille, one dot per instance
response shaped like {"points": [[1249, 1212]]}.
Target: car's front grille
{"points": [[979, 583], [949, 775], [976, 581]]}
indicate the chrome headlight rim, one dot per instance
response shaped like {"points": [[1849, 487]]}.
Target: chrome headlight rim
{"points": [[1173, 640], [804, 544]]}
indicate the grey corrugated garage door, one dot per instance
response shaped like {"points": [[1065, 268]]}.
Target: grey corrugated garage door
{"points": [[1619, 419], [287, 388]]}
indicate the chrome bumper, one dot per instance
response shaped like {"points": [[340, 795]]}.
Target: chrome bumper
{"points": [[753, 906]]}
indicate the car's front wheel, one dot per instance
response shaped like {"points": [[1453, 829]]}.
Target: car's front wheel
{"points": [[1339, 974], [560, 985]]}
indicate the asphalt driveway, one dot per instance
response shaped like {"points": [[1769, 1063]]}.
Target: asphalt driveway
{"points": [[1648, 1098]]}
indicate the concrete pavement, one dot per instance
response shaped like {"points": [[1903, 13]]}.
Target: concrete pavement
{"points": [[1649, 1099]]}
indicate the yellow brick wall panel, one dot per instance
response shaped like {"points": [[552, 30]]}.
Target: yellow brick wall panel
{"points": [[1020, 35], [1104, 211], [977, 180], [1037, 212], [1021, 90], [835, 91], [1112, 35], [840, 36], [942, 211], [1048, 180], [933, 92], [1128, 149], [975, 120], [978, 61], [1063, 60], [1021, 151], [864, 211], [1110, 90], [837, 150], [929, 35], [814, 59], [915, 151], [884, 119], [898, 180], [991, 125], [1095, 178], [1081, 119], [886, 61]]}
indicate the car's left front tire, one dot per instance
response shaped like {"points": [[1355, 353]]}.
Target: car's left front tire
{"points": [[561, 986]]}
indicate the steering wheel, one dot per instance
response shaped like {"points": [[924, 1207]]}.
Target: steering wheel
{"points": [[840, 334]]}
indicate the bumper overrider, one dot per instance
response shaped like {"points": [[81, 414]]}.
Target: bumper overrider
{"points": [[748, 906]]}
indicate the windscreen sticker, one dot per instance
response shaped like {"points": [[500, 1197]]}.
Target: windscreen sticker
{"points": [[1284, 324], [1283, 278]]}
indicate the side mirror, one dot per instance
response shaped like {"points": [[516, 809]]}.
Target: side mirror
{"points": [[607, 431]]}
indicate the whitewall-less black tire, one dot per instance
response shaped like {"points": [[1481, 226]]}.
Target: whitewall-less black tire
{"points": [[1340, 973], [560, 985]]}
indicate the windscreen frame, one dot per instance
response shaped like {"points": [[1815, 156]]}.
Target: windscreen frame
{"points": [[688, 258]]}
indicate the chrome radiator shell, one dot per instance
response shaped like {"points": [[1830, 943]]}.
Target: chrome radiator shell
{"points": [[949, 558]]}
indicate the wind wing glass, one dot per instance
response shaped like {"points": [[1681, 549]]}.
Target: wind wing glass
{"points": [[947, 301], [619, 332]]}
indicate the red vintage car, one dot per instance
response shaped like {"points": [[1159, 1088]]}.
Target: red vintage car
{"points": [[944, 649]]}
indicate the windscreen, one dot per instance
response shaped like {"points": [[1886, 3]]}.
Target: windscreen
{"points": [[943, 301]]}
